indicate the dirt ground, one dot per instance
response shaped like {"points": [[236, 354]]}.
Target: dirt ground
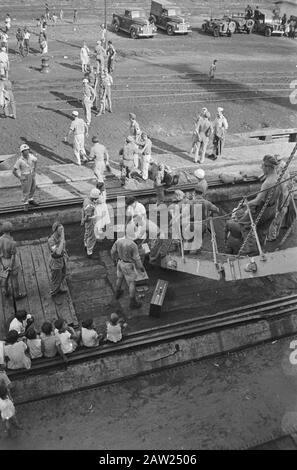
{"points": [[231, 402]]}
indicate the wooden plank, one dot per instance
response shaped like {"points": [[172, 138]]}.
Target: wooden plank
{"points": [[64, 305], [35, 305], [3, 326], [8, 307], [49, 307]]}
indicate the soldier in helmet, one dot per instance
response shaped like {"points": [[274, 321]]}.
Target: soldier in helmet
{"points": [[25, 170], [9, 261], [88, 220]]}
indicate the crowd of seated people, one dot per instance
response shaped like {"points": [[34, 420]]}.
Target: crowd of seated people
{"points": [[23, 343]]}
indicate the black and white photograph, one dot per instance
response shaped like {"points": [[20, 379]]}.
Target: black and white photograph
{"points": [[148, 233]]}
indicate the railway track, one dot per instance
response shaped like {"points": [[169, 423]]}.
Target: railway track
{"points": [[171, 334], [112, 195], [168, 89]]}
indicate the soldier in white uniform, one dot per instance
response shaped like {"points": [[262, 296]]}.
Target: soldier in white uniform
{"points": [[79, 129]]}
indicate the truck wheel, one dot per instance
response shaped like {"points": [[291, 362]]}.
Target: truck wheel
{"points": [[152, 19], [169, 30], [116, 26], [267, 32], [250, 24], [216, 32], [133, 33], [203, 27], [229, 34], [232, 27]]}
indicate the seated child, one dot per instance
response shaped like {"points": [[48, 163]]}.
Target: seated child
{"points": [[66, 335], [14, 351], [33, 343], [21, 322], [50, 343], [114, 328], [7, 410], [89, 336]]}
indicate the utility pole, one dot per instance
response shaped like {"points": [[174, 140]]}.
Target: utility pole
{"points": [[105, 21]]}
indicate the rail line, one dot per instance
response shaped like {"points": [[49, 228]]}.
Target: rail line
{"points": [[169, 333], [112, 196]]}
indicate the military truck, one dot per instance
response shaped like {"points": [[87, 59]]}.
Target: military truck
{"points": [[243, 24], [134, 22], [168, 17], [219, 27], [267, 24]]}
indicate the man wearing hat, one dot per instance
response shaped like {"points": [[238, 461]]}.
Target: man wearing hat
{"points": [[89, 96], [100, 56], [125, 255], [134, 127], [130, 150], [100, 156], [111, 53], [25, 170], [79, 129], [220, 127], [268, 189], [146, 155], [88, 220], [8, 260], [202, 183], [202, 132], [57, 264]]}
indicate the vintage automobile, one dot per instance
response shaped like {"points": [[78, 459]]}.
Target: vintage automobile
{"points": [[243, 24], [219, 27], [168, 17], [134, 22], [267, 24]]}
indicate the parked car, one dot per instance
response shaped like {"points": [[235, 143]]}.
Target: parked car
{"points": [[134, 22], [168, 17], [243, 24], [267, 24], [219, 27]]}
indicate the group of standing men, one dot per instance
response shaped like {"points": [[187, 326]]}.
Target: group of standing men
{"points": [[203, 129], [98, 77]]}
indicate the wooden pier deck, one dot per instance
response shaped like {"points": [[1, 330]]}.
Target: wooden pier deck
{"points": [[34, 280]]}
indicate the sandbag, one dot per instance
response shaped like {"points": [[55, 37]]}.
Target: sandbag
{"points": [[231, 178]]}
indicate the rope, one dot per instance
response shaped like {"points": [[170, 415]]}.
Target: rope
{"points": [[269, 196], [246, 197]]}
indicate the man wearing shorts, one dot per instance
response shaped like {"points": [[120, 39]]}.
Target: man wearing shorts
{"points": [[126, 257]]}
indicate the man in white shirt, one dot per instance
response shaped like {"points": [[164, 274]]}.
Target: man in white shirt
{"points": [[7, 23], [220, 127], [25, 170], [79, 129], [100, 156], [26, 40], [4, 62]]}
